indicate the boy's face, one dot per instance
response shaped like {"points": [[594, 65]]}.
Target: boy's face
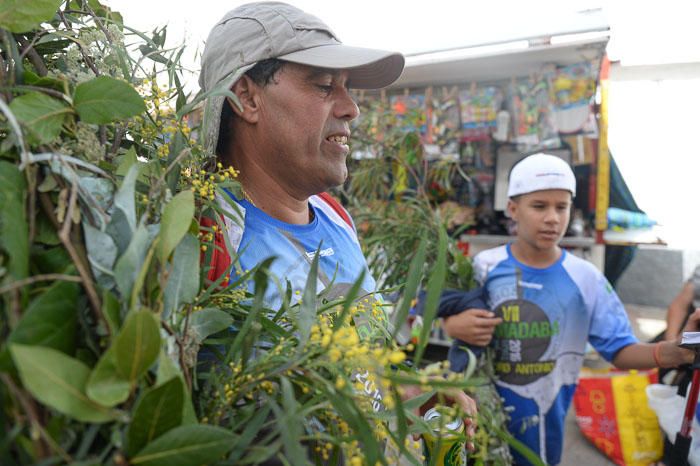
{"points": [[542, 217]]}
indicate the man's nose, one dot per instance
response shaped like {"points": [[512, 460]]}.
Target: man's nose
{"points": [[345, 106]]}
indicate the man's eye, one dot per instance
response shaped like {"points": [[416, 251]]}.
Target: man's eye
{"points": [[326, 88]]}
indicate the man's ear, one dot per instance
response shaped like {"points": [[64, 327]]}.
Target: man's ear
{"points": [[247, 106]]}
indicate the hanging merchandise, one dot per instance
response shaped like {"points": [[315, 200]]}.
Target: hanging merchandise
{"points": [[441, 141], [410, 112], [571, 91], [533, 122], [370, 124], [480, 108]]}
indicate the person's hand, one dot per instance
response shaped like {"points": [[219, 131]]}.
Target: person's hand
{"points": [[473, 326], [693, 323], [466, 404]]}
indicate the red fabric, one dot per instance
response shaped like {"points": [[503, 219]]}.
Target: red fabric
{"points": [[220, 263], [335, 205]]}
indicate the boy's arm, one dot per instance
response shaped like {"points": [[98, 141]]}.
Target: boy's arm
{"points": [[661, 354], [473, 326]]}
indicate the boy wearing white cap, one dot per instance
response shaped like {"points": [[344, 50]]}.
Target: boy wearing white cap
{"points": [[545, 304]]}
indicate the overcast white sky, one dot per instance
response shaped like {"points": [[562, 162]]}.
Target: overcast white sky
{"points": [[650, 120]]}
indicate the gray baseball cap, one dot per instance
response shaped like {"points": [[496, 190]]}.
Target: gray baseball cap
{"points": [[262, 30]]}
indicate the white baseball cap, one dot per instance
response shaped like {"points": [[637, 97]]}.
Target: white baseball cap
{"points": [[262, 30], [539, 172]]}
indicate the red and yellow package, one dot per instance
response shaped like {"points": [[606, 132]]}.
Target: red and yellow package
{"points": [[613, 413]]}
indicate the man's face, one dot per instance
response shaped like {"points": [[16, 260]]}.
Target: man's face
{"points": [[542, 217], [304, 127]]}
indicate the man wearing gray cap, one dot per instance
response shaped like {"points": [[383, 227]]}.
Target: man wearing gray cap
{"points": [[287, 132]]}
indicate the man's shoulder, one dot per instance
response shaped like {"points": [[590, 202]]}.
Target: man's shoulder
{"points": [[333, 210]]}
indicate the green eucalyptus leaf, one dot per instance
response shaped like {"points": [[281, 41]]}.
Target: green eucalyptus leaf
{"points": [[104, 99], [185, 446], [176, 220], [126, 161], [102, 253], [14, 229], [106, 385], [138, 344], [58, 381], [124, 200], [183, 281], [209, 321], [51, 319], [158, 411], [41, 115], [23, 16], [129, 265]]}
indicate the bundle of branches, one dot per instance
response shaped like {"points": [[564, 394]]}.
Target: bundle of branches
{"points": [[105, 308]]}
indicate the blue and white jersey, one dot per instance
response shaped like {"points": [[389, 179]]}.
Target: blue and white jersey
{"points": [[548, 316], [256, 236]]}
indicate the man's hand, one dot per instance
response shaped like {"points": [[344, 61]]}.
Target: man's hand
{"points": [[455, 396], [473, 326]]}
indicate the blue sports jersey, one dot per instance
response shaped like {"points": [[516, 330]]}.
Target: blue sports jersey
{"points": [[548, 316], [256, 236]]}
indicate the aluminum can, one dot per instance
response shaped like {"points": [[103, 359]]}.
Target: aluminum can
{"points": [[450, 450]]}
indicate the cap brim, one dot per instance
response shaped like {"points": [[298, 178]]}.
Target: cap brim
{"points": [[368, 68]]}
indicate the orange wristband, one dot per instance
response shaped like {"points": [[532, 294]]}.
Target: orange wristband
{"points": [[657, 348]]}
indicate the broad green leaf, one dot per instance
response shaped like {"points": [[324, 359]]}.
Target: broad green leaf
{"points": [[57, 381], [209, 321], [158, 411], [176, 220], [138, 344], [106, 385], [50, 320], [111, 311], [167, 370], [14, 230], [183, 281], [23, 16], [185, 446], [104, 99], [129, 265], [41, 115]]}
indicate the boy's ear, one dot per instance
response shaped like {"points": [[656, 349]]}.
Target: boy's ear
{"points": [[247, 106], [512, 208]]}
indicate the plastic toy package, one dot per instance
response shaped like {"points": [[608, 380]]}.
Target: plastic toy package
{"points": [[479, 110], [572, 85], [533, 122], [441, 140], [410, 112]]}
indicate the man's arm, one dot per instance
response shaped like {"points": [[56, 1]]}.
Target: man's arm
{"points": [[677, 311]]}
